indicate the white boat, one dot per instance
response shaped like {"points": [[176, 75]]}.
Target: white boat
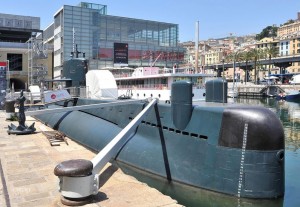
{"points": [[146, 82], [232, 93]]}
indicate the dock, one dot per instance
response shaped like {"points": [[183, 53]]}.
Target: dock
{"points": [[27, 179], [254, 91]]}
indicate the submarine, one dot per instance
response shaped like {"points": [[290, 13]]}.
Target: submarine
{"points": [[223, 147]]}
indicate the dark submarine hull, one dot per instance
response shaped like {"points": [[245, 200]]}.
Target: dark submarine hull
{"points": [[231, 149]]}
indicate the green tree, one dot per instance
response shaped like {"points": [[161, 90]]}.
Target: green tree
{"points": [[290, 21], [256, 54], [270, 53], [269, 31], [246, 56]]}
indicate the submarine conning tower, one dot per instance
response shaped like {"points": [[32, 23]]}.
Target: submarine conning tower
{"points": [[253, 133]]}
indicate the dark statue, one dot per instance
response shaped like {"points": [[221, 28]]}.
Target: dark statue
{"points": [[22, 128], [22, 117]]}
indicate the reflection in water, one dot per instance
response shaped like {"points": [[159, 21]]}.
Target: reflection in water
{"points": [[195, 197], [289, 114]]}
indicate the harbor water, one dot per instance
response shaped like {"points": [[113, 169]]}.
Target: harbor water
{"points": [[289, 114]]}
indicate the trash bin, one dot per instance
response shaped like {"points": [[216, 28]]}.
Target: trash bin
{"points": [[10, 108]]}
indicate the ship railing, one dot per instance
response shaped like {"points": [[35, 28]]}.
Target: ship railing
{"points": [[145, 87], [156, 72]]}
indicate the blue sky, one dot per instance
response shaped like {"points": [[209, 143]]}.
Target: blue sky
{"points": [[217, 18]]}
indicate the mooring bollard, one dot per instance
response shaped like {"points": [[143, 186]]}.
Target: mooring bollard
{"points": [[77, 183], [9, 109]]}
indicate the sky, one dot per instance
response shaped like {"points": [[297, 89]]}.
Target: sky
{"points": [[217, 18]]}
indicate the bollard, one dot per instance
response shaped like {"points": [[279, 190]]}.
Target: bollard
{"points": [[77, 183], [9, 109]]}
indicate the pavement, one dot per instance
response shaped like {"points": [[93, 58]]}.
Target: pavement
{"points": [[27, 179]]}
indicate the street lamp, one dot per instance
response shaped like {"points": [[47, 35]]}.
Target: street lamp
{"points": [[223, 80], [223, 60]]}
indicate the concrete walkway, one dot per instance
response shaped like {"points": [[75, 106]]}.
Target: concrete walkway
{"points": [[26, 174]]}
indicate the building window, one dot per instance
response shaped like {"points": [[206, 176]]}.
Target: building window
{"points": [[18, 23], [8, 23], [28, 24], [15, 61]]}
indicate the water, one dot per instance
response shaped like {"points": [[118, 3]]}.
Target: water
{"points": [[289, 114]]}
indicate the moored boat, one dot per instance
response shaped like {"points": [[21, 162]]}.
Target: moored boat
{"points": [[154, 82], [293, 95]]}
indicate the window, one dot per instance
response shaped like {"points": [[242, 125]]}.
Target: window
{"points": [[15, 61]]}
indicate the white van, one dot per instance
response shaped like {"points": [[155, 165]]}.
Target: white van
{"points": [[295, 79]]}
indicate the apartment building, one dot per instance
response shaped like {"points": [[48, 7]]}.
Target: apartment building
{"points": [[289, 29]]}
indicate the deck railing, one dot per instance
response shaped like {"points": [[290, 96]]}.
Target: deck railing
{"points": [[145, 87], [155, 72]]}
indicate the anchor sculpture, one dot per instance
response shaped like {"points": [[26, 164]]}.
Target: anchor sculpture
{"points": [[22, 128]]}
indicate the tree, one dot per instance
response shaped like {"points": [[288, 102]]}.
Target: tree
{"points": [[256, 54], [269, 31], [290, 21], [271, 52], [246, 56]]}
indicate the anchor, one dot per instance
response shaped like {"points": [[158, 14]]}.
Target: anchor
{"points": [[22, 128]]}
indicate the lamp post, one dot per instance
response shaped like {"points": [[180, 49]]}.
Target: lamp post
{"points": [[223, 79], [223, 60]]}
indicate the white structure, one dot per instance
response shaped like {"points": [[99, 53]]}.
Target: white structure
{"points": [[101, 84]]}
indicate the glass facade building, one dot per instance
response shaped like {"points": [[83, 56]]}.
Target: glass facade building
{"points": [[94, 32]]}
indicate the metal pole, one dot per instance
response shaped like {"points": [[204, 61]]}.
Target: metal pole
{"points": [[196, 46], [8, 74], [223, 81], [234, 70]]}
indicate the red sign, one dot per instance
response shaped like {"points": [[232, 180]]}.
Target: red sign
{"points": [[3, 64], [53, 96]]}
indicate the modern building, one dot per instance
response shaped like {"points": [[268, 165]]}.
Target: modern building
{"points": [[111, 41]]}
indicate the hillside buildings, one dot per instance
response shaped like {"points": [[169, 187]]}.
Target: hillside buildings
{"points": [[290, 29]]}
